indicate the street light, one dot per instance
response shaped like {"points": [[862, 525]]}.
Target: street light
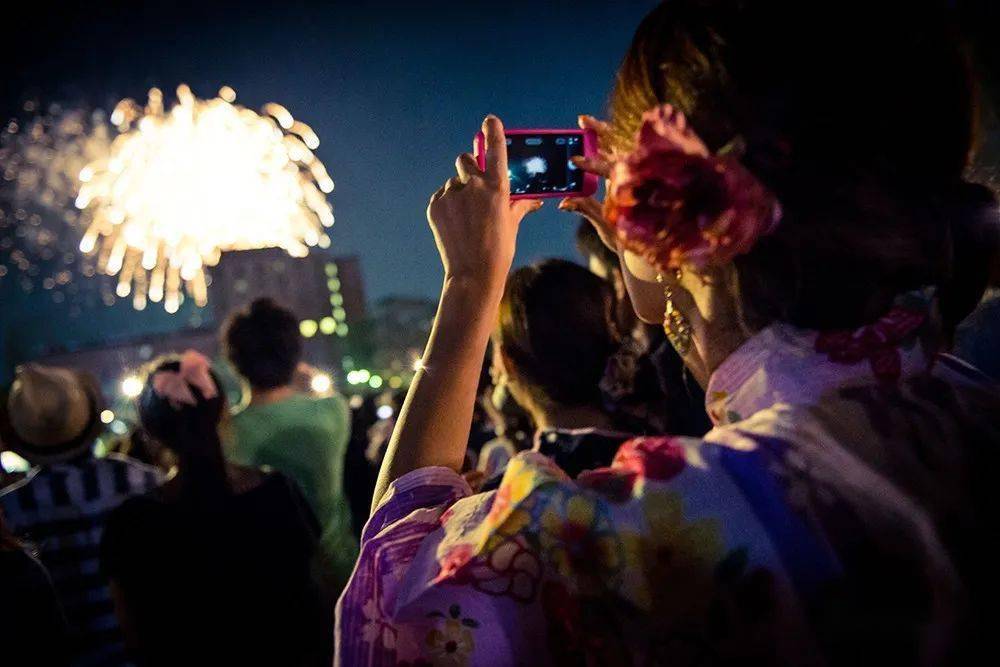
{"points": [[131, 386], [321, 383]]}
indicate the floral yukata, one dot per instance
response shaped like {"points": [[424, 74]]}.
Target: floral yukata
{"points": [[820, 521]]}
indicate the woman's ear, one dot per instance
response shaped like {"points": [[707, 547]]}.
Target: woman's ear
{"points": [[645, 292]]}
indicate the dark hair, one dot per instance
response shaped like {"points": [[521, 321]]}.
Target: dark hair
{"points": [[171, 426], [861, 125], [555, 329], [264, 344], [191, 432]]}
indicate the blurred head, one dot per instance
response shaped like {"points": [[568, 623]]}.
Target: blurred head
{"points": [[187, 430], [862, 126], [264, 344], [554, 336], [50, 414]]}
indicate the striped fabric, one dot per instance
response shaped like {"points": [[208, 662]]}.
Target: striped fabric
{"points": [[60, 509]]}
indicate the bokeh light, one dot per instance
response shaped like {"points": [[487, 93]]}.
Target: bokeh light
{"points": [[131, 386], [321, 383]]}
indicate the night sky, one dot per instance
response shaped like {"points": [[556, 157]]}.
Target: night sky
{"points": [[394, 93]]}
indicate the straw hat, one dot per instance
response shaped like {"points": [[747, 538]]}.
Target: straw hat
{"points": [[50, 414]]}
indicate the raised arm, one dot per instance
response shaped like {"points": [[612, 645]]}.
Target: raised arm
{"points": [[475, 228]]}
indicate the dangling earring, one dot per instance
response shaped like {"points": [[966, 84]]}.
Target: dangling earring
{"points": [[675, 325]]}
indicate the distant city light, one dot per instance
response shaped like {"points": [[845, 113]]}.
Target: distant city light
{"points": [[342, 329], [360, 376], [356, 402], [327, 325], [375, 381], [331, 270], [131, 386], [395, 382], [308, 328], [118, 427], [321, 383], [384, 411], [418, 364], [107, 417]]}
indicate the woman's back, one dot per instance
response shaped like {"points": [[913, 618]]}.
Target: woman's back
{"points": [[819, 522], [226, 582]]}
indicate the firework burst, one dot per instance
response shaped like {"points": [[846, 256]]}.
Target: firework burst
{"points": [[185, 184]]}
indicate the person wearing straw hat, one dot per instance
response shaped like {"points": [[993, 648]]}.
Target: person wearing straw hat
{"points": [[51, 417]]}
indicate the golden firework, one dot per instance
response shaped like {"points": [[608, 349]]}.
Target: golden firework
{"points": [[182, 186]]}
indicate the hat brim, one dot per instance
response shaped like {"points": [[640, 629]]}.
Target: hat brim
{"points": [[63, 451]]}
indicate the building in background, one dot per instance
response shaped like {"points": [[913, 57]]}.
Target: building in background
{"points": [[326, 293]]}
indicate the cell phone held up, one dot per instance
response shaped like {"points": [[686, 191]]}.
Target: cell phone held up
{"points": [[539, 164]]}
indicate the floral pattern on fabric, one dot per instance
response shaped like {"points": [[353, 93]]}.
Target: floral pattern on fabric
{"points": [[878, 343], [785, 364], [783, 537]]}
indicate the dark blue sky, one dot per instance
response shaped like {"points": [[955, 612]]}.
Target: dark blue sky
{"points": [[394, 91]]}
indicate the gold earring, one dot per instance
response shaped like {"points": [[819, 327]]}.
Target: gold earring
{"points": [[675, 325]]}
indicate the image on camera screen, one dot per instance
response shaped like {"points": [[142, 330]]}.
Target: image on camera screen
{"points": [[539, 163]]}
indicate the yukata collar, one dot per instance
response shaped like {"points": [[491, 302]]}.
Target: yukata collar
{"points": [[785, 364]]}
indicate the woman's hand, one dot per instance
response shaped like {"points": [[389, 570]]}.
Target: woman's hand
{"points": [[475, 227], [589, 207], [473, 219]]}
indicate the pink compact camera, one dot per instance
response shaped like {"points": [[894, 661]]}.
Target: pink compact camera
{"points": [[539, 165]]}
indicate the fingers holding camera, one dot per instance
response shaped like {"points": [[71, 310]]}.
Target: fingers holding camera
{"points": [[603, 132], [594, 165], [454, 183], [473, 219], [466, 167], [496, 153]]}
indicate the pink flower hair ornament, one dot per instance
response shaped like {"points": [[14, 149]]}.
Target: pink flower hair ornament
{"points": [[675, 204], [175, 386]]}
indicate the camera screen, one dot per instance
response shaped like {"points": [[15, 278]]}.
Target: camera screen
{"points": [[539, 163]]}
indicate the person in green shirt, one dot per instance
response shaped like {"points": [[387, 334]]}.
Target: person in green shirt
{"points": [[300, 434]]}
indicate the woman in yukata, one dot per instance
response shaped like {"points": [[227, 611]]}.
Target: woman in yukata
{"points": [[786, 195]]}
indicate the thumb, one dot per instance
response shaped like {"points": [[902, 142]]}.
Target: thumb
{"points": [[523, 207]]}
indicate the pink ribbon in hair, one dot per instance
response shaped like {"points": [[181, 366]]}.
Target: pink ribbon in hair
{"points": [[175, 386]]}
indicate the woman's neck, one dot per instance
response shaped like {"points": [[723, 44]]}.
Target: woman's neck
{"points": [[570, 417], [716, 328], [272, 395], [200, 475]]}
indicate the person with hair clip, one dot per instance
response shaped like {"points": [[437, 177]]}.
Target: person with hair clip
{"points": [[215, 567], [552, 342], [799, 224]]}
